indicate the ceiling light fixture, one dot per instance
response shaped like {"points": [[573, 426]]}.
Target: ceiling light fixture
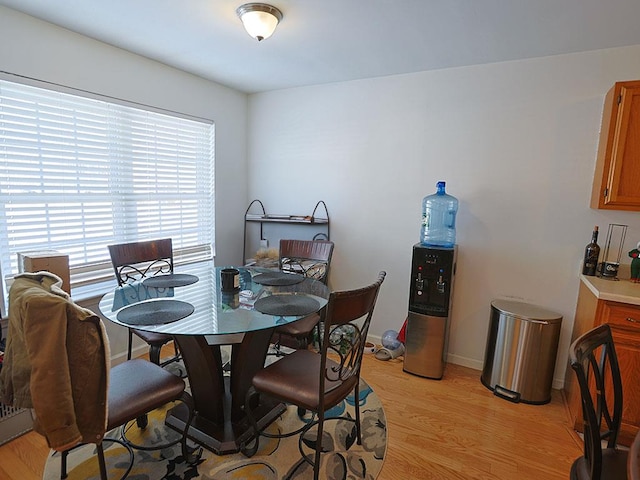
{"points": [[259, 19]]}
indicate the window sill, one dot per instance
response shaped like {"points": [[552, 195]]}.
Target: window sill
{"points": [[93, 291]]}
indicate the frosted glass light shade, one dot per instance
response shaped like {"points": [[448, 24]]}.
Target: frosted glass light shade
{"points": [[259, 19]]}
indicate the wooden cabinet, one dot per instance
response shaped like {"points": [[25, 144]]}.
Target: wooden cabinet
{"points": [[616, 184], [624, 320]]}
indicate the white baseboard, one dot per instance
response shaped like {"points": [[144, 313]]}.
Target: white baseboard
{"points": [[465, 362], [558, 383]]}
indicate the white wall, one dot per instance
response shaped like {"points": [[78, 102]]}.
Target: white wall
{"points": [[32, 48], [36, 49], [516, 143]]}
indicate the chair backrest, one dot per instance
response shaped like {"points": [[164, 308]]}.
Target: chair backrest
{"points": [[594, 360], [311, 258], [136, 260], [346, 325]]}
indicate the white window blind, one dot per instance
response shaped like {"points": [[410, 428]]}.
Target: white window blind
{"points": [[78, 174]]}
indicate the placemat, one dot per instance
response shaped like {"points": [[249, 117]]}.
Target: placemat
{"points": [[171, 280], [278, 278], [287, 304], [155, 313]]}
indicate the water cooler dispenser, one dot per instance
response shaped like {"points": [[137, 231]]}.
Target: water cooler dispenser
{"points": [[430, 293]]}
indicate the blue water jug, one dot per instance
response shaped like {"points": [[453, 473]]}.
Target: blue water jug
{"points": [[439, 219]]}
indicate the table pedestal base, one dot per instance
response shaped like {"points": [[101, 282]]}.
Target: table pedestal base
{"points": [[220, 423], [227, 438]]}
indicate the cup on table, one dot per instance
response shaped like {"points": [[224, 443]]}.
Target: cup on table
{"points": [[230, 278]]}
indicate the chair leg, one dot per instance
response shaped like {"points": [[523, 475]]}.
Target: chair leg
{"points": [[316, 463], [130, 344], [318, 336], [154, 353], [277, 348], [191, 455], [176, 355], [63, 464], [244, 449], [356, 400], [142, 421], [175, 358], [302, 342], [154, 356], [101, 462]]}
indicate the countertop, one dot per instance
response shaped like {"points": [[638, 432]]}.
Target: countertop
{"points": [[622, 290]]}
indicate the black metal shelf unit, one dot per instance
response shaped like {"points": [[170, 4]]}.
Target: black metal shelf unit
{"points": [[260, 216]]}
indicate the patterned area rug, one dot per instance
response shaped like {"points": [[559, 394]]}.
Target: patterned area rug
{"points": [[276, 458]]}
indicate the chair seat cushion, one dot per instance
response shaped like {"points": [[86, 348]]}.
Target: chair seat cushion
{"points": [[300, 328], [296, 379], [614, 466], [153, 338], [139, 386]]}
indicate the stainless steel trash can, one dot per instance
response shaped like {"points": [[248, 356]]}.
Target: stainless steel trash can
{"points": [[520, 355]]}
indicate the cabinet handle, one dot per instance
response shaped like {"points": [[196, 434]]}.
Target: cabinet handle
{"points": [[632, 320]]}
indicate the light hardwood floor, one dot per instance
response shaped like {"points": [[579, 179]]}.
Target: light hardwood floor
{"points": [[453, 428]]}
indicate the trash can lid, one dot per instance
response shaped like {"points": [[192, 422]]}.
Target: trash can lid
{"points": [[526, 311]]}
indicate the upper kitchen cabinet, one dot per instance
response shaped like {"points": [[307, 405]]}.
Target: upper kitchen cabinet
{"points": [[616, 184]]}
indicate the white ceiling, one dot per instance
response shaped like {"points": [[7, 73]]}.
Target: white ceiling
{"points": [[323, 41]]}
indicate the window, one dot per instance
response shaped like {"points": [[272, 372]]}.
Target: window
{"points": [[79, 173]]}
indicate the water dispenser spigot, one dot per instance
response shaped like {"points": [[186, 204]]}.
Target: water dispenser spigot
{"points": [[419, 284], [440, 284]]}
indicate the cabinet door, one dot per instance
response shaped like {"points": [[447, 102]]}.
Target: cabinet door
{"points": [[617, 178], [628, 352], [624, 321]]}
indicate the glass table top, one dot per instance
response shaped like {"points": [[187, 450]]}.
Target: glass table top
{"points": [[214, 312]]}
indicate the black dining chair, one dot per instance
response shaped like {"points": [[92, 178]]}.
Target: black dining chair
{"points": [[92, 398], [595, 363], [318, 381], [138, 260], [135, 388], [312, 259]]}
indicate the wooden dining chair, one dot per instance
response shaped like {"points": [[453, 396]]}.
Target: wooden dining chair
{"points": [[318, 381], [138, 260], [312, 259], [595, 363]]}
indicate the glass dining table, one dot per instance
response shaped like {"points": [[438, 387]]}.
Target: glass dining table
{"points": [[191, 306]]}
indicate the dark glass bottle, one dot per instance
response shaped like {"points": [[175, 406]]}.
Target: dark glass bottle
{"points": [[591, 254]]}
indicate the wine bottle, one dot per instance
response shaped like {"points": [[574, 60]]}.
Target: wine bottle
{"points": [[591, 254]]}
